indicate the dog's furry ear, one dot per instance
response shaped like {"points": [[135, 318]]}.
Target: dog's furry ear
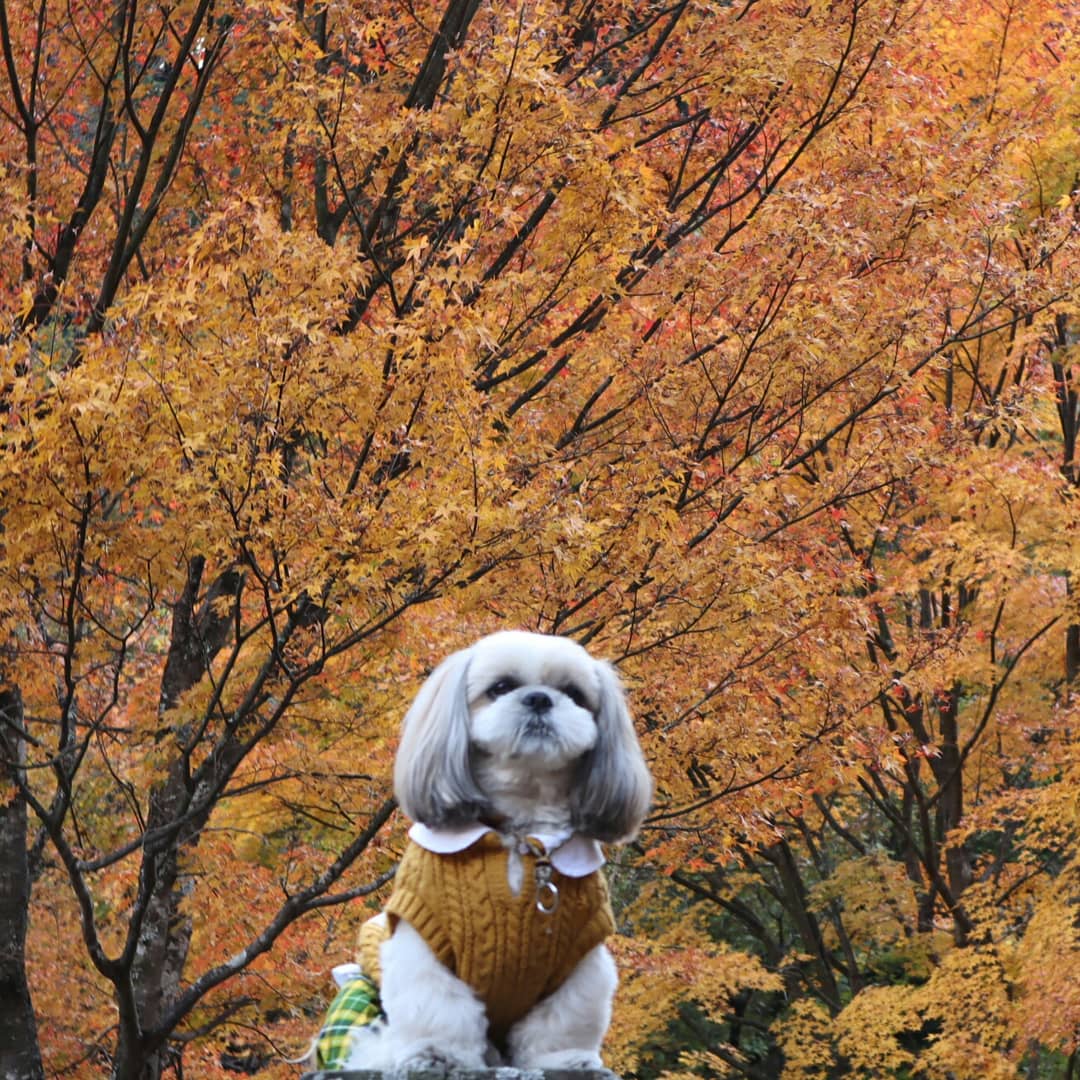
{"points": [[614, 788], [433, 778]]}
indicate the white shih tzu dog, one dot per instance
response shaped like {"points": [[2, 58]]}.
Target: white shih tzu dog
{"points": [[517, 759]]}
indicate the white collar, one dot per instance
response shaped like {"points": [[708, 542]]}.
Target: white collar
{"points": [[571, 854]]}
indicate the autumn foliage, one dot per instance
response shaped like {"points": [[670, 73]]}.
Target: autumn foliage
{"points": [[736, 340]]}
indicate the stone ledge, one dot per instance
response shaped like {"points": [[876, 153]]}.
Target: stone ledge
{"points": [[461, 1074]]}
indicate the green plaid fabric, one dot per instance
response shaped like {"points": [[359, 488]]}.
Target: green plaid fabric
{"points": [[356, 1004]]}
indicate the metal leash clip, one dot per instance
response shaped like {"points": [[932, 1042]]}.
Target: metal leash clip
{"points": [[547, 893]]}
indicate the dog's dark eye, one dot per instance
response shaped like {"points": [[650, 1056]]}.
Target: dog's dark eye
{"points": [[503, 686], [575, 694]]}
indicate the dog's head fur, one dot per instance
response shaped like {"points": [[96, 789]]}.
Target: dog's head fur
{"points": [[525, 731]]}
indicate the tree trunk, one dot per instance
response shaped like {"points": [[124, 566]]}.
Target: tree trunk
{"points": [[20, 1058], [200, 629], [165, 934], [1072, 652], [948, 771], [794, 897]]}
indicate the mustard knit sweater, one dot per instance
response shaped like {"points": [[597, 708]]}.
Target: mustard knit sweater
{"points": [[510, 953]]}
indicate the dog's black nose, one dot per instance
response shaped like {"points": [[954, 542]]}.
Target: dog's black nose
{"points": [[538, 701]]}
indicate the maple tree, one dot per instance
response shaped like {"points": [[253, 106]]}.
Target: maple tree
{"points": [[905, 893], [734, 340]]}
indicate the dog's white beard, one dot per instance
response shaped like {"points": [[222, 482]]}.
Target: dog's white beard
{"points": [[515, 870]]}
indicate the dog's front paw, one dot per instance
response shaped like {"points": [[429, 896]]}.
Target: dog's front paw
{"points": [[566, 1061], [425, 1057]]}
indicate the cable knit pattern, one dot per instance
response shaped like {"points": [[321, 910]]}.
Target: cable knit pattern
{"points": [[369, 940], [510, 953]]}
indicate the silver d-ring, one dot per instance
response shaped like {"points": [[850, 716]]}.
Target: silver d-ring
{"points": [[547, 898]]}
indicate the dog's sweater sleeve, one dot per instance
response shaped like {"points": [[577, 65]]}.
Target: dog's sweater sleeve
{"points": [[508, 951], [369, 941]]}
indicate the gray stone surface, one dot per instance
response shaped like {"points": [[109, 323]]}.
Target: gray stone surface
{"points": [[461, 1074]]}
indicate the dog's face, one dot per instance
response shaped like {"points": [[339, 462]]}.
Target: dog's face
{"points": [[520, 717], [533, 699]]}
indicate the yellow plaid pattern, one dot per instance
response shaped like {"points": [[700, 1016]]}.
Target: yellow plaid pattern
{"points": [[356, 1004]]}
